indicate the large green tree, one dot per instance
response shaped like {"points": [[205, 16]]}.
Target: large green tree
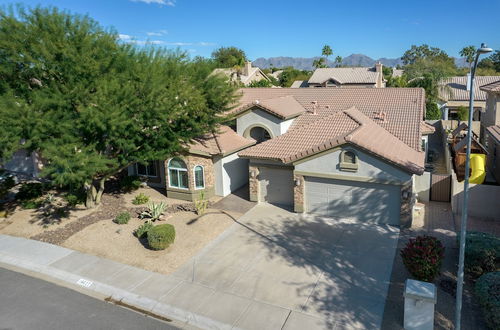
{"points": [[229, 57], [90, 105]]}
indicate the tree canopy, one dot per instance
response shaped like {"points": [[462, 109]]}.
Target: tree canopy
{"points": [[468, 54], [229, 57], [93, 106]]}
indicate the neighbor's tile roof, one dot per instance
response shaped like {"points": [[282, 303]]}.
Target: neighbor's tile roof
{"points": [[494, 132], [225, 141], [457, 88], [426, 128], [283, 107], [404, 107], [493, 87], [299, 84], [345, 75], [337, 128]]}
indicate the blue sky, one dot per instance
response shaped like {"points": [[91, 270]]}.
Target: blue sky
{"points": [[296, 28]]}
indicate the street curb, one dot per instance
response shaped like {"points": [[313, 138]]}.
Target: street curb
{"points": [[143, 303]]}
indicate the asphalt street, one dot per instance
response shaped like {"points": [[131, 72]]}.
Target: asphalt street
{"points": [[28, 303]]}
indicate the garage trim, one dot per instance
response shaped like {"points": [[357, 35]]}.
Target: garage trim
{"points": [[348, 177]]}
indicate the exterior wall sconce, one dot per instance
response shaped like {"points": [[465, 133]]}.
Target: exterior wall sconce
{"points": [[297, 182]]}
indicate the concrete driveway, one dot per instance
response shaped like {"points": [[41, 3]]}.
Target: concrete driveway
{"points": [[275, 269]]}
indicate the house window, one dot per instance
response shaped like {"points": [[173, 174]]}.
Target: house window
{"points": [[147, 170], [199, 177], [177, 174], [348, 161]]}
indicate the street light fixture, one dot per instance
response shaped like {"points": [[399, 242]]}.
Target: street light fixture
{"points": [[463, 225]]}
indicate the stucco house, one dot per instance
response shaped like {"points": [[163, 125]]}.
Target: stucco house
{"points": [[346, 152], [455, 92], [246, 75], [490, 128]]}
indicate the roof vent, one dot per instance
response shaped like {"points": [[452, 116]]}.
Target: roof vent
{"points": [[381, 115], [256, 102], [314, 107]]}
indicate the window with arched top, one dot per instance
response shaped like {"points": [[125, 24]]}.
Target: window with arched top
{"points": [[259, 134], [199, 177], [348, 161], [177, 173]]}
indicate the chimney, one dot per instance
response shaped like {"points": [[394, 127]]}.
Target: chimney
{"points": [[469, 82], [380, 75], [248, 68]]}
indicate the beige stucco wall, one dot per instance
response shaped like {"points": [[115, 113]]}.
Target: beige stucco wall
{"points": [[493, 160]]}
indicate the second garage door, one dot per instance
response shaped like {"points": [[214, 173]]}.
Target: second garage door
{"points": [[363, 201], [276, 185]]}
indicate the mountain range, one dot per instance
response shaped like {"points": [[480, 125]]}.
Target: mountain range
{"points": [[306, 63]]}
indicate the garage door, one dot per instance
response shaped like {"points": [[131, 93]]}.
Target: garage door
{"points": [[363, 201], [276, 185]]}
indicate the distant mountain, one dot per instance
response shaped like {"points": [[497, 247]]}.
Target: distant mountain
{"points": [[306, 63]]}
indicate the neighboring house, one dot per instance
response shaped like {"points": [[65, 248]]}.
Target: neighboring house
{"points": [[455, 92], [426, 130], [299, 84], [490, 124], [24, 163], [245, 75], [362, 77], [346, 152]]}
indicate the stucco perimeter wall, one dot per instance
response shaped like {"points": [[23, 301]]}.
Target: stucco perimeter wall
{"points": [[422, 187], [483, 199], [231, 173], [369, 167], [257, 117]]}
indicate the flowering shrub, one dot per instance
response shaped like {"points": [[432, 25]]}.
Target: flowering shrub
{"points": [[422, 257]]}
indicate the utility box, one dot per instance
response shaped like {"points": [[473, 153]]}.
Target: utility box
{"points": [[420, 298]]}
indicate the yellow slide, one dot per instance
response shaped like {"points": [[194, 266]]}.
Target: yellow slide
{"points": [[477, 165]]}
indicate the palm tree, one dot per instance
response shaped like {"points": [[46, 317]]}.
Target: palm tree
{"points": [[468, 53], [327, 51], [319, 63], [338, 61]]}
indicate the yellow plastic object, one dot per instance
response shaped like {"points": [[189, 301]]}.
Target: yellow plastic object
{"points": [[477, 165]]}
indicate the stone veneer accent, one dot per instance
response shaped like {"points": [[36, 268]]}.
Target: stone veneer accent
{"points": [[191, 193], [298, 193], [406, 215], [253, 183]]}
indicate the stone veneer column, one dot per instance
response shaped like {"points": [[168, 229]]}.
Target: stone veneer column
{"points": [[253, 182], [406, 215], [298, 193]]}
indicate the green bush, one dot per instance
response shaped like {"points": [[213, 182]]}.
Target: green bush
{"points": [[31, 204], [482, 253], [422, 257], [161, 236], [73, 199], [130, 183], [6, 182], [31, 190], [143, 229], [140, 199], [487, 290], [122, 218]]}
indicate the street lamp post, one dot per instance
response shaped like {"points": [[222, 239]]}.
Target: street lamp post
{"points": [[463, 225]]}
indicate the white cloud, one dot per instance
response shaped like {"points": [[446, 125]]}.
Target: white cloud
{"points": [[179, 43], [157, 34], [170, 3], [203, 43], [124, 37]]}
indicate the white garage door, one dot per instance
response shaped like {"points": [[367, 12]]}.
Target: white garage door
{"points": [[276, 185], [363, 201]]}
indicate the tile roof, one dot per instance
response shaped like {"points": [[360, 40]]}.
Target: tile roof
{"points": [[339, 127], [284, 107], [493, 87], [457, 88], [344, 75], [223, 142], [426, 129], [494, 132], [404, 107], [299, 84], [231, 74], [458, 130]]}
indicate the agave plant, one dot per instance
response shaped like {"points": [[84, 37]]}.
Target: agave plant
{"points": [[155, 211]]}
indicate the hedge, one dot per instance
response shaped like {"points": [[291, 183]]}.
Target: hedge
{"points": [[487, 290], [482, 253]]}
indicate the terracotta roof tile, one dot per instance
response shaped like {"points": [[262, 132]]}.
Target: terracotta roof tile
{"points": [[344, 75], [223, 142], [494, 132], [493, 87], [457, 88], [426, 128], [284, 107]]}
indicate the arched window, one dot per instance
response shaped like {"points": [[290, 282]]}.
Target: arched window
{"points": [[177, 173], [199, 177], [348, 161], [259, 134]]}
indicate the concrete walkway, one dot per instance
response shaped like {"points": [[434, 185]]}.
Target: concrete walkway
{"points": [[272, 270]]}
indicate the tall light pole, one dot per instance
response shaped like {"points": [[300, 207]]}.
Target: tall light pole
{"points": [[463, 225]]}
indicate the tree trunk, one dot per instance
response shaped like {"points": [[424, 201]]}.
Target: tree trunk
{"points": [[94, 195], [100, 191]]}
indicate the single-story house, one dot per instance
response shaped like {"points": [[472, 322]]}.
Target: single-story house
{"points": [[455, 93], [245, 75], [346, 152]]}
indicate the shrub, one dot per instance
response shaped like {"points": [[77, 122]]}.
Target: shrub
{"points": [[155, 211], [31, 190], [487, 290], [140, 199], [6, 182], [143, 229], [482, 253], [122, 218], [161, 236], [422, 257], [201, 204], [31, 204], [130, 183]]}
